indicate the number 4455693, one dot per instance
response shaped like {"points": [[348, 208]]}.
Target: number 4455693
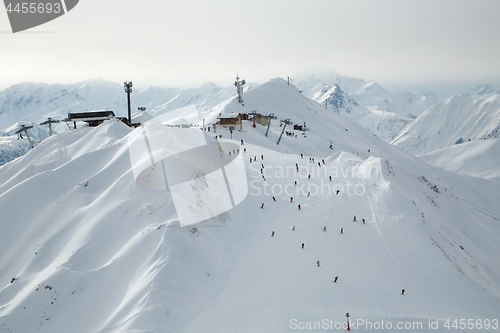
{"points": [[471, 324], [31, 7]]}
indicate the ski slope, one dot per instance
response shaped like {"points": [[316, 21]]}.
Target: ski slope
{"points": [[90, 251]]}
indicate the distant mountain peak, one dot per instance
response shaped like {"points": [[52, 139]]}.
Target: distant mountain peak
{"points": [[480, 90]]}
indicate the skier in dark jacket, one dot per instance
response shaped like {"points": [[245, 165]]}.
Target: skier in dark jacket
{"points": [[336, 279], [272, 234]]}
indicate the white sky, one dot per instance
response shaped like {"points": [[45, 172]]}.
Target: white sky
{"points": [[438, 45]]}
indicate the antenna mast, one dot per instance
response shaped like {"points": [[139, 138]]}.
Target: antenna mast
{"points": [[239, 88]]}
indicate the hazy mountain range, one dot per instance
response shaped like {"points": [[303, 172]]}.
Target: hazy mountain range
{"points": [[415, 122]]}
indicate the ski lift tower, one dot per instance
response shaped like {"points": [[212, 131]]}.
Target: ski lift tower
{"points": [[50, 121], [285, 122], [239, 88], [25, 130], [271, 116], [254, 118]]}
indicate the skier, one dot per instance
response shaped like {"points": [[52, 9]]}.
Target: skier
{"points": [[262, 165], [323, 161], [317, 262], [330, 178], [297, 168], [341, 230], [295, 183], [302, 245], [261, 171], [354, 219], [324, 228], [293, 229], [363, 221], [299, 206], [255, 158], [250, 160], [309, 177], [262, 206], [301, 156], [319, 164], [244, 150], [291, 199], [272, 234], [335, 280], [402, 292], [262, 157], [263, 177], [274, 198], [338, 191], [242, 141], [308, 194]]}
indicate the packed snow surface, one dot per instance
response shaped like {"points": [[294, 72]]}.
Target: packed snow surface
{"points": [[84, 249]]}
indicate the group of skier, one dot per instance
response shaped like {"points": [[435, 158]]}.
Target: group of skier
{"points": [[299, 206]]}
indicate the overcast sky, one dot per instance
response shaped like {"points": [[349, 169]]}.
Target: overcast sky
{"points": [[440, 45]]}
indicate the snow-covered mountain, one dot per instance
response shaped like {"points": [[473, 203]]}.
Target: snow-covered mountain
{"points": [[368, 94], [337, 100], [383, 112], [387, 114], [460, 118], [97, 253], [33, 103], [478, 158]]}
